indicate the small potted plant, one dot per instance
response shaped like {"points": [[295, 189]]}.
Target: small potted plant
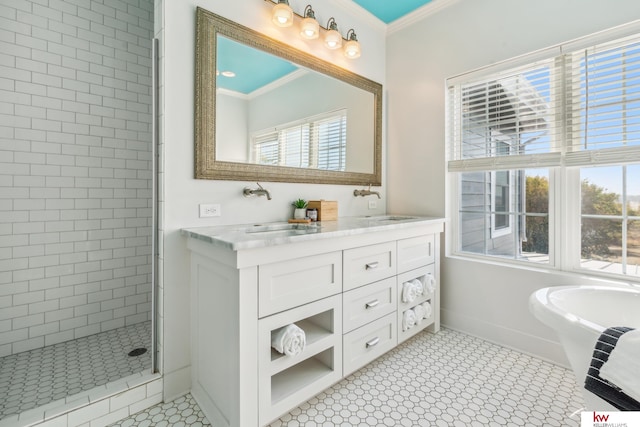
{"points": [[300, 211]]}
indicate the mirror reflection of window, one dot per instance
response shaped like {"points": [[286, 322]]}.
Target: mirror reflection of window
{"points": [[318, 142]]}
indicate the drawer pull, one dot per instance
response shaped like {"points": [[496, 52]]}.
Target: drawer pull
{"points": [[372, 265], [373, 342], [372, 304]]}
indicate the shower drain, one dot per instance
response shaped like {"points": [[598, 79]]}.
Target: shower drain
{"points": [[137, 352]]}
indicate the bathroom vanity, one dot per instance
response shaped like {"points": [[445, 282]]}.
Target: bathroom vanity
{"points": [[341, 282]]}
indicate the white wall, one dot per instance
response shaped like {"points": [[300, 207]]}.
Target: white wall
{"points": [[232, 123], [481, 298], [182, 193]]}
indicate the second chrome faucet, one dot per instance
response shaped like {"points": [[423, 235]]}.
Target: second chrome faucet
{"points": [[367, 192]]}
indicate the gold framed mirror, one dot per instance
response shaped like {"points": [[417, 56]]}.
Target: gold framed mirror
{"points": [[245, 134]]}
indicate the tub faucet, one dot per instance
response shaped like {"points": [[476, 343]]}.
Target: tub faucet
{"points": [[248, 192], [368, 192]]}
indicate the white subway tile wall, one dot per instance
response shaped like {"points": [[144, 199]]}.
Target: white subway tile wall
{"points": [[75, 172]]}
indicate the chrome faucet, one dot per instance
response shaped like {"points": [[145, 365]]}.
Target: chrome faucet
{"points": [[366, 192], [248, 192]]}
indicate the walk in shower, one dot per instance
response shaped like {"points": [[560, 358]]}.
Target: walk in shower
{"points": [[76, 197]]}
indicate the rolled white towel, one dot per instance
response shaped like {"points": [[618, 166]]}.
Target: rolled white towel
{"points": [[289, 340], [419, 311], [427, 309], [430, 283], [417, 283], [408, 319], [408, 292]]}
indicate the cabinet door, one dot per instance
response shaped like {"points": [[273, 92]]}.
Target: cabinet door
{"points": [[287, 284], [415, 252], [369, 264]]}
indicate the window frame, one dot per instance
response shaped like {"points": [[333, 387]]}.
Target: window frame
{"points": [[507, 229], [564, 201]]}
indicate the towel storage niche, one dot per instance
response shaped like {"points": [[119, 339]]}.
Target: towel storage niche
{"points": [[343, 292]]}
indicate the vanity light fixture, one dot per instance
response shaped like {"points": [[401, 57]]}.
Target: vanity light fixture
{"points": [[309, 28], [282, 14], [333, 39], [352, 47]]}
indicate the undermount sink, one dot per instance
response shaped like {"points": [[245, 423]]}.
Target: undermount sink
{"points": [[292, 228], [389, 218]]}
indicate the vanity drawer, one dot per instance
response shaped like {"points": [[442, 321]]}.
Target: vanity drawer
{"points": [[369, 264], [415, 252], [368, 342], [367, 303], [287, 284]]}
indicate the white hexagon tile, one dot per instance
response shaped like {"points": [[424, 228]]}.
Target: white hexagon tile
{"points": [[446, 379], [37, 377]]}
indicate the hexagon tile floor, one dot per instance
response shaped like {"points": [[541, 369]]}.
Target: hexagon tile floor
{"points": [[37, 377], [446, 379]]}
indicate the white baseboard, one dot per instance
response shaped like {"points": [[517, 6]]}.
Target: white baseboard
{"points": [[541, 348]]}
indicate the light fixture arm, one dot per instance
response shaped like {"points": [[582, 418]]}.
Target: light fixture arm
{"points": [[309, 13], [351, 35], [331, 24]]}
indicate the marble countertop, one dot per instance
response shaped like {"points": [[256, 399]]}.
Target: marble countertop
{"points": [[259, 235]]}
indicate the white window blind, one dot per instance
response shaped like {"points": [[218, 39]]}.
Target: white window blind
{"points": [[603, 103], [332, 147], [514, 104], [316, 142], [577, 108]]}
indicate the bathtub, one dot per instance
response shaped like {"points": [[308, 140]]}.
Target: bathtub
{"points": [[579, 314]]}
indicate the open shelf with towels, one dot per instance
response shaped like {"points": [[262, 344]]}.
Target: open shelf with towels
{"points": [[424, 275], [314, 334], [288, 380]]}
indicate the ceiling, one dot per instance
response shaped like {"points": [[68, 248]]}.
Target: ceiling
{"points": [[253, 69], [390, 10]]}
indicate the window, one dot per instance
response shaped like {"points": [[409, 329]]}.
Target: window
{"points": [[501, 188], [552, 140], [610, 218], [318, 142]]}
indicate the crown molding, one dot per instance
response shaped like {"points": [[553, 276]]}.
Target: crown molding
{"points": [[419, 14], [277, 83]]}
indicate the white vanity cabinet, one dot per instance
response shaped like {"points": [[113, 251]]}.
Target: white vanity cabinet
{"points": [[342, 287]]}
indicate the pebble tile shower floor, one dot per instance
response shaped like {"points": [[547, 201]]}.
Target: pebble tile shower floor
{"points": [[37, 377], [446, 379]]}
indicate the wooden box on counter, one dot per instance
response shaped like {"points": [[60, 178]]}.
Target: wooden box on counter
{"points": [[327, 210]]}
